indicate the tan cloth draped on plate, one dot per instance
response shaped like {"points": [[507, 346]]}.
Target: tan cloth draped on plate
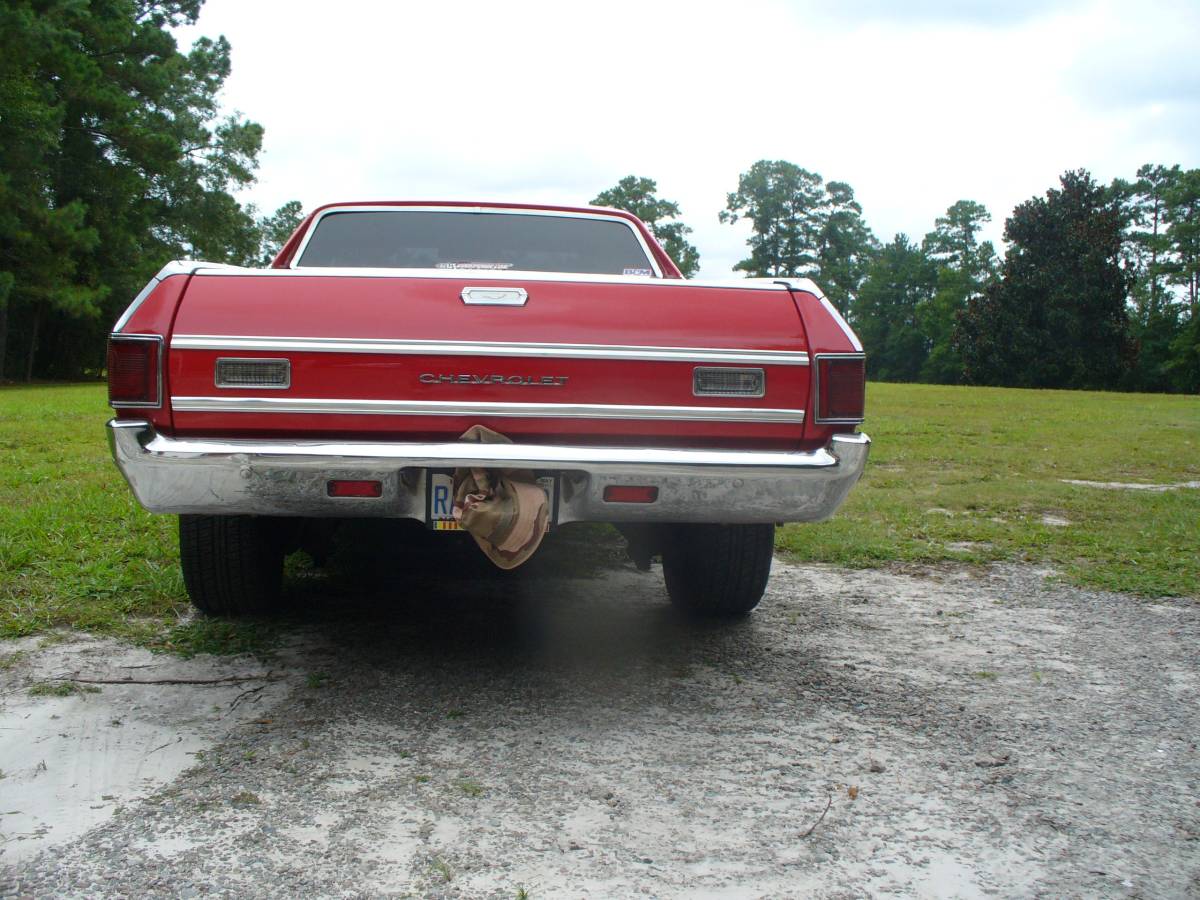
{"points": [[505, 510]]}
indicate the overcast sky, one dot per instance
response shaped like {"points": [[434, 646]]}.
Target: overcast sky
{"points": [[916, 104]]}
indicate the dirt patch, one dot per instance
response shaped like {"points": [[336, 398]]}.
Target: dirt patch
{"points": [[1134, 486], [958, 732]]}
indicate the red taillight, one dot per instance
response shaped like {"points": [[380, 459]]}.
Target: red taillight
{"points": [[629, 493], [342, 488], [841, 388], [133, 370]]}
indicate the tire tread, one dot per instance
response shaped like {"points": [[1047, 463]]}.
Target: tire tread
{"points": [[231, 565], [719, 570]]}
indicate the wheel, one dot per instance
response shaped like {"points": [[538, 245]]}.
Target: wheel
{"points": [[232, 565], [718, 570]]}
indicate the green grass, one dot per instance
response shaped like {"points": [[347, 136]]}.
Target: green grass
{"points": [[61, 689], [469, 787], [77, 551], [75, 548], [981, 466]]}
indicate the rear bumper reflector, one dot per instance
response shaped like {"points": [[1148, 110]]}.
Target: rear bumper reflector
{"points": [[344, 488], [291, 478], [628, 493]]}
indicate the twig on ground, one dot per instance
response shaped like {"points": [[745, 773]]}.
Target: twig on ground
{"points": [[820, 820], [244, 694], [228, 679]]}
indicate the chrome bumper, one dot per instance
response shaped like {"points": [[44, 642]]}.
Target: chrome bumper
{"points": [[289, 478]]}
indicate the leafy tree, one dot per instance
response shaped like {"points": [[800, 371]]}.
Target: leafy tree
{"points": [[1182, 215], [1183, 235], [802, 226], [964, 269], [275, 229], [785, 206], [1144, 202], [637, 195], [1056, 317], [113, 160], [899, 285], [845, 247]]}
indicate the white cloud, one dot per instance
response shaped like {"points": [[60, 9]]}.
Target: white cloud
{"points": [[554, 101]]}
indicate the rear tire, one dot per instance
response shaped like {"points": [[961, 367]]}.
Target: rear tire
{"points": [[232, 565], [718, 570]]}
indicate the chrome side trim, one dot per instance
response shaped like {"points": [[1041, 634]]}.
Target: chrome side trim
{"points": [[154, 338], [290, 478], [494, 296], [316, 406], [472, 210], [488, 348], [730, 284]]}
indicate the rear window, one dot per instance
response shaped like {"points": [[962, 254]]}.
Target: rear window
{"points": [[417, 239]]}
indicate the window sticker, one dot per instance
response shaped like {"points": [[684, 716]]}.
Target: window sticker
{"points": [[474, 265], [637, 271]]}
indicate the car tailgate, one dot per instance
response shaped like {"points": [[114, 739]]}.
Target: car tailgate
{"points": [[388, 356]]}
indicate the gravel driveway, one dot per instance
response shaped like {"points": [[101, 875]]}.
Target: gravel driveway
{"points": [[951, 732]]}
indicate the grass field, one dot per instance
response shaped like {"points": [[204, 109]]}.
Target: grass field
{"points": [[964, 474], [977, 474]]}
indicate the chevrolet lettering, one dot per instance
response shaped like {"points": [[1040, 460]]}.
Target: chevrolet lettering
{"points": [[519, 380], [266, 407]]}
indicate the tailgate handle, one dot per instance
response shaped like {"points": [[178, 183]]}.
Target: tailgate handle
{"points": [[494, 296]]}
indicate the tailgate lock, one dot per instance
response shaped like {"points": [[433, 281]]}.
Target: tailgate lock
{"points": [[494, 296]]}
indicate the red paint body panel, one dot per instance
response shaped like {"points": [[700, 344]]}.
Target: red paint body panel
{"points": [[155, 316], [397, 308], [824, 334], [669, 315]]}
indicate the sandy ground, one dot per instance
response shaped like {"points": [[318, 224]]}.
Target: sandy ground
{"points": [[941, 733]]}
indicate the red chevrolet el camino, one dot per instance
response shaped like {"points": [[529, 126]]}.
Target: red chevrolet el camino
{"points": [[694, 415]]}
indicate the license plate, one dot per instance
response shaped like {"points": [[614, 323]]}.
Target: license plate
{"points": [[439, 500]]}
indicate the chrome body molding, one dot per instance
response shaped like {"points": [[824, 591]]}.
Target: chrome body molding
{"points": [[709, 355], [356, 407], [770, 286], [288, 478]]}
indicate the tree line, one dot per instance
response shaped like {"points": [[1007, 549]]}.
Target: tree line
{"points": [[1097, 289], [114, 159]]}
